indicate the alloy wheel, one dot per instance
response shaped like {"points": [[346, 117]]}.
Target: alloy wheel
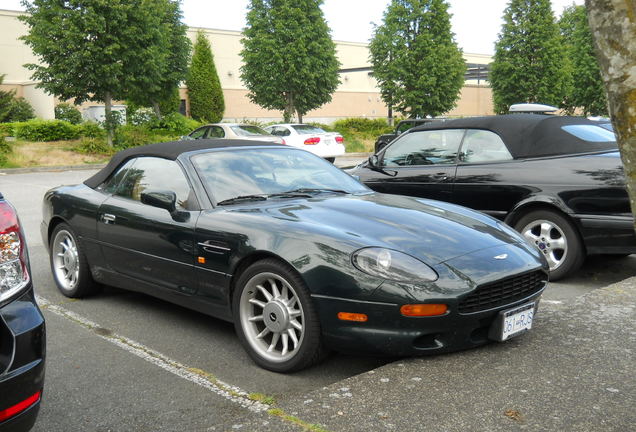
{"points": [[272, 317], [550, 239]]}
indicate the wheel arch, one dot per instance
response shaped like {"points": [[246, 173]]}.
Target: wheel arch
{"points": [[247, 261], [53, 223], [544, 204]]}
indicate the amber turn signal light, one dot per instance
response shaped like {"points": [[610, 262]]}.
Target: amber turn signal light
{"points": [[418, 310], [349, 316]]}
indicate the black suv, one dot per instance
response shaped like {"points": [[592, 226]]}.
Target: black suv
{"points": [[401, 127], [22, 332]]}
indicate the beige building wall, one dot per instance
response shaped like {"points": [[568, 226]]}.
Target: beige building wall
{"points": [[356, 96]]}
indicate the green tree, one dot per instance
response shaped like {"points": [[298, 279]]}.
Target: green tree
{"points": [[588, 94], [175, 45], [289, 59], [418, 66], [529, 63], [6, 97], [204, 88], [96, 50]]}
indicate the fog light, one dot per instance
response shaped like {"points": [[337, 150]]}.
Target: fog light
{"points": [[349, 316], [418, 310]]}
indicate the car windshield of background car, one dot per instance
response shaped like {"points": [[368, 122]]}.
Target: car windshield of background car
{"points": [[590, 133], [307, 129], [424, 148], [247, 130], [229, 174]]}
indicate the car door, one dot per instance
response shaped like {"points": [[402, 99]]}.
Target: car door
{"points": [[485, 175], [145, 242], [420, 164]]}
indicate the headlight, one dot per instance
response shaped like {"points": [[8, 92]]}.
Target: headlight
{"points": [[392, 265]]}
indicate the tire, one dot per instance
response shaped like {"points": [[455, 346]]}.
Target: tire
{"points": [[287, 336], [68, 264], [556, 237]]}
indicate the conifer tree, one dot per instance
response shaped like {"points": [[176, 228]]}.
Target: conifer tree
{"points": [[207, 103]]}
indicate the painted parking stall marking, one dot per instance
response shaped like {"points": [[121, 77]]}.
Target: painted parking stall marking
{"points": [[196, 376]]}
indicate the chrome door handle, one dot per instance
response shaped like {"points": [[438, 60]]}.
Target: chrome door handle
{"points": [[108, 219]]}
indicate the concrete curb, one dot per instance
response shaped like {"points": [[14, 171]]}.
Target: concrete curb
{"points": [[56, 168]]}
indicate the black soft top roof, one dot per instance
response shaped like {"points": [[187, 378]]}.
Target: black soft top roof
{"points": [[168, 150], [530, 135]]}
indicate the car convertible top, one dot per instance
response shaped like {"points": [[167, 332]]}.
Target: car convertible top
{"points": [[168, 150], [530, 135]]}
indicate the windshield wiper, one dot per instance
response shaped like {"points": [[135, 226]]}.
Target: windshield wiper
{"points": [[243, 198], [317, 190]]}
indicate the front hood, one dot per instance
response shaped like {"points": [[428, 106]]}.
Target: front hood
{"points": [[432, 231]]}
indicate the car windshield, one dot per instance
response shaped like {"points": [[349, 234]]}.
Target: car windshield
{"points": [[307, 129], [247, 130], [233, 173]]}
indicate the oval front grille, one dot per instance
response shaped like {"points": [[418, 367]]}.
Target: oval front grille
{"points": [[503, 292]]}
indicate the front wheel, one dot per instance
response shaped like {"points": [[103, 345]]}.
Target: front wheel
{"points": [[275, 318], [556, 238], [68, 264]]}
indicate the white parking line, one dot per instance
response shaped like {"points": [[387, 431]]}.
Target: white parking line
{"points": [[207, 381]]}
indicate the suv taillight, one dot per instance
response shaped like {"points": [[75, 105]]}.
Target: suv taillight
{"points": [[14, 275]]}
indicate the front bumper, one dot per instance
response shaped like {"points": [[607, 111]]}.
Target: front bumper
{"points": [[388, 332], [22, 354]]}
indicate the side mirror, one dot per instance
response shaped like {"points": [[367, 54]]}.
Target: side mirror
{"points": [[167, 200], [159, 198], [374, 161]]}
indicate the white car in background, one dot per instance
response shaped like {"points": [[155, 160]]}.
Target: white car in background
{"points": [[233, 131], [328, 145]]}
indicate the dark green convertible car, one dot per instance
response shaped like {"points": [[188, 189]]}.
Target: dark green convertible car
{"points": [[298, 254]]}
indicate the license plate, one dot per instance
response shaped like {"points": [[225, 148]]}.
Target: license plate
{"points": [[517, 321]]}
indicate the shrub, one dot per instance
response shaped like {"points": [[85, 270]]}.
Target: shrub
{"points": [[67, 112], [92, 145], [91, 130], [20, 110], [139, 115], [134, 136], [5, 150], [46, 130], [173, 124], [7, 129], [367, 127]]}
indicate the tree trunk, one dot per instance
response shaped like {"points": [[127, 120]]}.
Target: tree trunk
{"points": [[300, 116], [613, 25], [108, 104], [157, 110], [390, 115], [289, 107]]}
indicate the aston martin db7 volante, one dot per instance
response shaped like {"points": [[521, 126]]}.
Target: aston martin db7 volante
{"points": [[299, 255], [557, 180]]}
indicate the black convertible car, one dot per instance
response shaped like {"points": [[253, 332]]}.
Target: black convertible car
{"points": [[297, 253], [557, 180]]}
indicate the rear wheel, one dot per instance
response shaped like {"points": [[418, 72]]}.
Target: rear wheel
{"points": [[556, 238], [68, 264], [275, 319]]}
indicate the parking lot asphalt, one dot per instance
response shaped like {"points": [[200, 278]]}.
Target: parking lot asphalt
{"points": [[123, 361]]}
